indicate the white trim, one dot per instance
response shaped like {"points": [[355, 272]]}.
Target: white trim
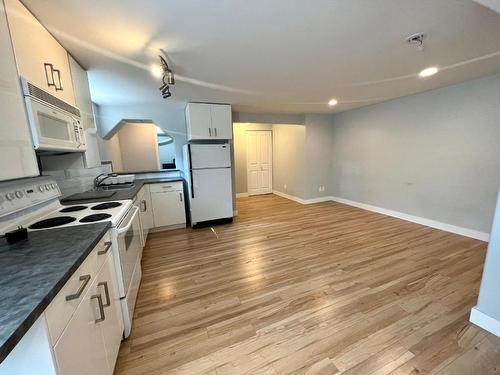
{"points": [[484, 321], [472, 233], [291, 197], [242, 195]]}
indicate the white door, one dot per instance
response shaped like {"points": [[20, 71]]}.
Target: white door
{"points": [[222, 124], [259, 162], [168, 208]]}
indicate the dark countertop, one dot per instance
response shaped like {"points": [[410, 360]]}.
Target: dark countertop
{"points": [[126, 193], [34, 271]]}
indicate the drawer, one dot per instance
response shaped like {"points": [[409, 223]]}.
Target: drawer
{"points": [[60, 310], [166, 186]]}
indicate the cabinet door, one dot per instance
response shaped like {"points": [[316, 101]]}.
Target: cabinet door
{"points": [[80, 349], [222, 125], [168, 208], [112, 326], [83, 99], [34, 46], [17, 156], [198, 120]]}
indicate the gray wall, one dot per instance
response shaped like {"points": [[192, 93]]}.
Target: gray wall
{"points": [[269, 118], [489, 294], [169, 116], [434, 154], [318, 155], [289, 159]]}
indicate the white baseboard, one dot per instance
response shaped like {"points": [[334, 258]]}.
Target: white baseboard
{"points": [[472, 233], [484, 321], [241, 195]]}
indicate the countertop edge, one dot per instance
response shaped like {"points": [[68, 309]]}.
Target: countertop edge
{"points": [[23, 328]]}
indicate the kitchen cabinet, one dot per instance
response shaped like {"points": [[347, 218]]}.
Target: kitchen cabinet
{"points": [[145, 210], [39, 56], [209, 121], [17, 156], [83, 101], [167, 200], [90, 341]]}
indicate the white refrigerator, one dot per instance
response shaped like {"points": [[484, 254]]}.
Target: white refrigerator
{"points": [[208, 175]]}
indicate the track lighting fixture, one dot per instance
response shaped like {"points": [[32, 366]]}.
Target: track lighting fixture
{"points": [[167, 76]]}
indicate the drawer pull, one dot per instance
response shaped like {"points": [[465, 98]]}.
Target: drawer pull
{"points": [[102, 317], [106, 292], [167, 187], [85, 279], [107, 245]]}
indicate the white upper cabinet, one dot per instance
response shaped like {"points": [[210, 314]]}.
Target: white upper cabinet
{"points": [[209, 121], [83, 101], [17, 156], [39, 56], [81, 88]]}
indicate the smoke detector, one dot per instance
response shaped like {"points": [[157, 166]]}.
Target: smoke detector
{"points": [[416, 40]]}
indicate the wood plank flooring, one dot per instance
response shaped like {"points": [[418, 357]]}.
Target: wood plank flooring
{"points": [[309, 289]]}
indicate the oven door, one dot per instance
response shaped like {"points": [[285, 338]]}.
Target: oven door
{"points": [[53, 129], [129, 242]]}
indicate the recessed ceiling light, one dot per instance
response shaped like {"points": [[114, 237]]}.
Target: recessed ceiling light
{"points": [[156, 71], [427, 72], [333, 102]]}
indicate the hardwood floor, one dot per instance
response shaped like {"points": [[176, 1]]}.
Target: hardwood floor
{"points": [[309, 289]]}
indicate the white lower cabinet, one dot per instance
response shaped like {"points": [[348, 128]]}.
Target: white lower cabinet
{"points": [[91, 340], [167, 200]]}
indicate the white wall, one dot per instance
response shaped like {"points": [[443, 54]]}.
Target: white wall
{"points": [[435, 155]]}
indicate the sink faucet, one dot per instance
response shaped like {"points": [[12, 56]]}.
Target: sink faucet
{"points": [[98, 180]]}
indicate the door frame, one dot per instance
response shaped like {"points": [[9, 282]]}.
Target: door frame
{"points": [[247, 132]]}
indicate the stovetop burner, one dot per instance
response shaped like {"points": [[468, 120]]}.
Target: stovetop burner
{"points": [[105, 206], [94, 217], [73, 208], [52, 222]]}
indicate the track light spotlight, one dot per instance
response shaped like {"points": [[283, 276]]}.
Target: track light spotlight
{"points": [[167, 77], [170, 77]]}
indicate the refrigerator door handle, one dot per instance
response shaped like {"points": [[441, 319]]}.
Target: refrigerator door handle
{"points": [[191, 170]]}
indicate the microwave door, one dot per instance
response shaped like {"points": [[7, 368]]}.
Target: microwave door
{"points": [[53, 130]]}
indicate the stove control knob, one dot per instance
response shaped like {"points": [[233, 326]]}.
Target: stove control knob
{"points": [[53, 186], [47, 187], [19, 194], [10, 196], [40, 188]]}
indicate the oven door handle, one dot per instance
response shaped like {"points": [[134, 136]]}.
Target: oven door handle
{"points": [[129, 224]]}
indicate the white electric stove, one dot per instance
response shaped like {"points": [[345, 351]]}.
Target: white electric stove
{"points": [[34, 204]]}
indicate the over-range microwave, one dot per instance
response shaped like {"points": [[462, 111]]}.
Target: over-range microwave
{"points": [[55, 125]]}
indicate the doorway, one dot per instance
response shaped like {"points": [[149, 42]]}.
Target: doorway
{"points": [[259, 162]]}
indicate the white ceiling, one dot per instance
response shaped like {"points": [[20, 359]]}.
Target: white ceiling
{"points": [[274, 55]]}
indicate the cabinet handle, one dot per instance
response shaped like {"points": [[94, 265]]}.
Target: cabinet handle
{"points": [[107, 245], [143, 205], [210, 132], [85, 279], [106, 293], [167, 187], [57, 82], [215, 129], [180, 196], [102, 317], [49, 75]]}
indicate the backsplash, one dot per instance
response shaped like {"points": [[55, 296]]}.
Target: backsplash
{"points": [[73, 181]]}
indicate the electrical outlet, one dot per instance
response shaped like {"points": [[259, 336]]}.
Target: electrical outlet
{"points": [[322, 188]]}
